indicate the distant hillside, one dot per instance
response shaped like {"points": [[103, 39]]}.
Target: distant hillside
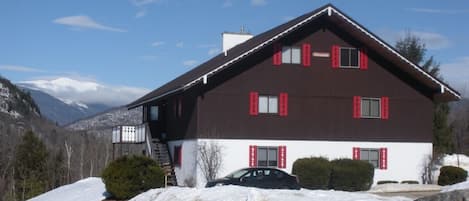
{"points": [[16, 102], [63, 112], [107, 120]]}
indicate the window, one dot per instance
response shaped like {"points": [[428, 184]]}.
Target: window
{"points": [[153, 113], [291, 55], [268, 104], [370, 155], [370, 107], [267, 156], [349, 57], [177, 158]]}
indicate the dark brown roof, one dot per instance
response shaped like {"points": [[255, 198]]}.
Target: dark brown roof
{"points": [[256, 43]]}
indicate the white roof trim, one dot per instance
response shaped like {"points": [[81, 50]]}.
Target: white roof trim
{"points": [[396, 53], [329, 11]]}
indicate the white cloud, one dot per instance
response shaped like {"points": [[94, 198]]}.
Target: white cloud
{"points": [[83, 91], [143, 2], [258, 2], [141, 14], [456, 73], [180, 44], [20, 69], [190, 63], [85, 22], [227, 4], [438, 11], [433, 41], [213, 51], [158, 43]]}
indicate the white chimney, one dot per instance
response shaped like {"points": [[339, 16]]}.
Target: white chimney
{"points": [[232, 39]]}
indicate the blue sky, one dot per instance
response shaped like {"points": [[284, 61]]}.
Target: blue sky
{"points": [[139, 45]]}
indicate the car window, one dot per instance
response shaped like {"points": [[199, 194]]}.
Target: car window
{"points": [[238, 174], [278, 174]]}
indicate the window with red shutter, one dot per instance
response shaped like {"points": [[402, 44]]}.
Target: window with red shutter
{"points": [[363, 59], [335, 56], [356, 153], [306, 55], [356, 107], [283, 106], [384, 107], [277, 57], [282, 157], [253, 103], [383, 158]]}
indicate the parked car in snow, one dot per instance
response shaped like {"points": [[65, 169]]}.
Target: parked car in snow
{"points": [[269, 178]]}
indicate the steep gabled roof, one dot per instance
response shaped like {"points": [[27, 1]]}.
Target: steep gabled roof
{"points": [[233, 55]]}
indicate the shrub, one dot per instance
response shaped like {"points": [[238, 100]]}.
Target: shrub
{"points": [[451, 175], [128, 176], [409, 182], [387, 182], [351, 175], [312, 173]]}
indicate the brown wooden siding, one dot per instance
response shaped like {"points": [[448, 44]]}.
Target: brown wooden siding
{"points": [[320, 98]]}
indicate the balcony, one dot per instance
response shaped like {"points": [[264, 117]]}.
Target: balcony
{"points": [[129, 134]]}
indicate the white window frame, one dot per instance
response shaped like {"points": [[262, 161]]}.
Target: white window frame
{"points": [[290, 49], [369, 116], [350, 57], [271, 109]]}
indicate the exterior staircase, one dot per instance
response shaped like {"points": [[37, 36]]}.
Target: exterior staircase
{"points": [[159, 152]]}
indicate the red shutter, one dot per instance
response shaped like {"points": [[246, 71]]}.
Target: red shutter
{"points": [[363, 59], [277, 57], [253, 103], [306, 54], [252, 156], [282, 157], [383, 158], [356, 107], [384, 107], [335, 56], [283, 105], [356, 153]]}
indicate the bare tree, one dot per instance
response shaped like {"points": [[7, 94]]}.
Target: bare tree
{"points": [[210, 159], [68, 149], [430, 164]]}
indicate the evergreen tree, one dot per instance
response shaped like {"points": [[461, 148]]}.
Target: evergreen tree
{"points": [[413, 48], [30, 167]]}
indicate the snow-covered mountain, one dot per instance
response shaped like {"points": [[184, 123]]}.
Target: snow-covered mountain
{"points": [[63, 111]]}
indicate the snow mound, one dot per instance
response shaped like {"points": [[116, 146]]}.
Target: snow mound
{"points": [[236, 193], [458, 186], [393, 188], [453, 161], [89, 189]]}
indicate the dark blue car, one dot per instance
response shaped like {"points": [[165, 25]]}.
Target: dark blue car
{"points": [[269, 178]]}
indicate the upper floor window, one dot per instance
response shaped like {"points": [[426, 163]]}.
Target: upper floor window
{"points": [[349, 57], [268, 104], [370, 107], [291, 55], [154, 113]]}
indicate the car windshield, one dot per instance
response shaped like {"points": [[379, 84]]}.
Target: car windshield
{"points": [[237, 174]]}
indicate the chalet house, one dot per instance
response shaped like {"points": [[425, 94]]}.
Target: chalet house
{"points": [[318, 85]]}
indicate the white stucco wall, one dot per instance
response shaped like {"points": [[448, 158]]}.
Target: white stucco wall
{"points": [[405, 160]]}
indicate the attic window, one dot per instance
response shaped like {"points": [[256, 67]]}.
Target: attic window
{"points": [[291, 55], [349, 57]]}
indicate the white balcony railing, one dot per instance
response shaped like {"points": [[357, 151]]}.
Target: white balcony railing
{"points": [[128, 134]]}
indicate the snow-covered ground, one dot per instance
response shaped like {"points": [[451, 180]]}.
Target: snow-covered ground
{"points": [[89, 189], [237, 193], [452, 160], [392, 188], [458, 186]]}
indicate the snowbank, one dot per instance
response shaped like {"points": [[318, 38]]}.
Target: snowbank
{"points": [[89, 189], [458, 186], [236, 193], [393, 188]]}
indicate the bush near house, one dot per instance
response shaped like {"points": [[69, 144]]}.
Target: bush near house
{"points": [[351, 175], [129, 176], [451, 175], [340, 174], [312, 173]]}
